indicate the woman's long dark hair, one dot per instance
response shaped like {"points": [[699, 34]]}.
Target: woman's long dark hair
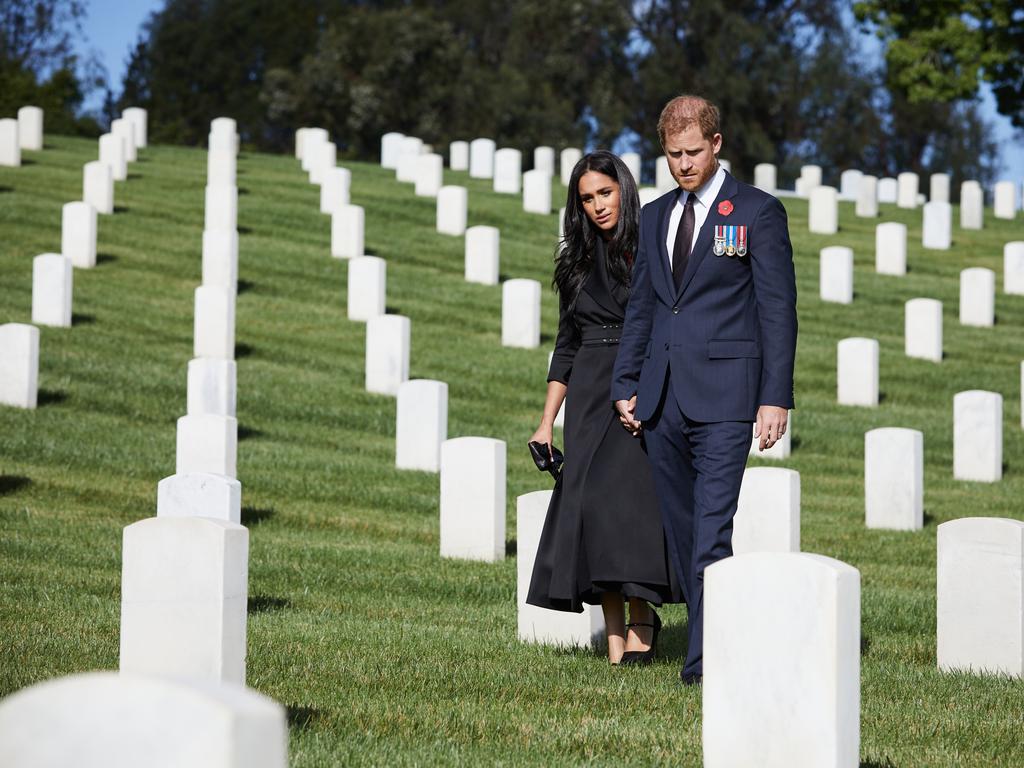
{"points": [[576, 250]]}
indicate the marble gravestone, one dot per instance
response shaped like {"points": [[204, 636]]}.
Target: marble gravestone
{"points": [[19, 365], [836, 274], [646, 194], [221, 207], [482, 253], [508, 171], [481, 159], [387, 353], [98, 186], [51, 290], [211, 386], [207, 443], [907, 185], [1013, 267], [980, 596], [30, 128], [972, 205], [112, 152], [978, 297], [937, 227], [348, 225], [221, 168], [768, 512], [408, 159], [124, 129], [894, 479], [367, 287], [452, 203], [314, 138], [858, 372], [214, 322], [183, 598], [823, 210], [458, 155], [849, 183], [766, 177], [632, 161], [1004, 199], [10, 150], [520, 313], [429, 175], [220, 259], [888, 190], [938, 188], [78, 234], [891, 248], [139, 119], [473, 498], [978, 436], [663, 180], [567, 161], [390, 147], [867, 197], [537, 192], [421, 424], [544, 160], [922, 329], [200, 494], [781, 682], [540, 625], [111, 720], [324, 157], [810, 178]]}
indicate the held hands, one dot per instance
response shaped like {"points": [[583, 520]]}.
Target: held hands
{"points": [[770, 426], [626, 409], [543, 436]]}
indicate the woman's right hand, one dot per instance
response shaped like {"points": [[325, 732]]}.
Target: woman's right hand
{"points": [[543, 435]]}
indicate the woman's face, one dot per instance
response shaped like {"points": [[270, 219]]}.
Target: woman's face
{"points": [[599, 195]]}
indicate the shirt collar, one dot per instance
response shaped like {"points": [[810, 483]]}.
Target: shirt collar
{"points": [[709, 190]]}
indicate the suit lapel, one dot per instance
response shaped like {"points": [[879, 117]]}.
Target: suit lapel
{"points": [[665, 284], [702, 247], [599, 283]]}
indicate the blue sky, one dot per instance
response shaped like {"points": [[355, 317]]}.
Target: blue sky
{"points": [[112, 27]]}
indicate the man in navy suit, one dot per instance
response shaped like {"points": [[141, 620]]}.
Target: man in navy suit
{"points": [[707, 346]]}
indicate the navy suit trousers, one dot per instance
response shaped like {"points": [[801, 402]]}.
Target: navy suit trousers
{"points": [[698, 468]]}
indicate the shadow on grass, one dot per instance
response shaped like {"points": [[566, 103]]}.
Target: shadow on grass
{"points": [[389, 310], [27, 161], [245, 230], [266, 604], [122, 209], [255, 515], [927, 518], [105, 258], [51, 397], [794, 443], [887, 763], [243, 350], [547, 338], [244, 286], [80, 319], [12, 483], [865, 645], [300, 718], [243, 190], [510, 548], [134, 176], [248, 433], [5, 189]]}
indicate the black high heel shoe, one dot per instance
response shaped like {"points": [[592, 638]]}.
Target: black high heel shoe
{"points": [[643, 658]]}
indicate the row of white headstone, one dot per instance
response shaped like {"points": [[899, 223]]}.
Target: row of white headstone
{"points": [[22, 134]]}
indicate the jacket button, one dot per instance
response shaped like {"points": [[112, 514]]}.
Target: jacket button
{"points": [[666, 346], [675, 310]]}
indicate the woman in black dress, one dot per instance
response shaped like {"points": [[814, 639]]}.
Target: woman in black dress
{"points": [[602, 541]]}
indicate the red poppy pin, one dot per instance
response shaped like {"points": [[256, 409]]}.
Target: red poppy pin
{"points": [[725, 208]]}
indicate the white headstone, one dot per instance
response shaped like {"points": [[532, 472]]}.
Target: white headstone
{"points": [[938, 188], [334, 189], [429, 175], [836, 277], [972, 205], [980, 596], [221, 168], [632, 161], [408, 159], [888, 190], [978, 297], [646, 194], [30, 128], [520, 313], [390, 147], [540, 625], [200, 494], [124, 129], [537, 192], [10, 149], [937, 227], [481, 159], [325, 157], [1013, 267], [220, 259], [214, 323], [139, 119], [766, 177], [78, 234], [183, 598], [111, 720], [781, 662], [768, 513], [473, 498], [567, 161], [823, 210], [51, 290], [894, 479], [663, 179], [810, 177], [212, 384], [922, 336], [1004, 199], [113, 153], [544, 160], [421, 424], [458, 155], [348, 225], [367, 287], [314, 137], [300, 142], [907, 190], [978, 436], [387, 353], [867, 197], [782, 448], [451, 210], [858, 372], [19, 365], [482, 253], [207, 443], [222, 207], [98, 186], [891, 248], [508, 171], [223, 126], [849, 184], [726, 165]]}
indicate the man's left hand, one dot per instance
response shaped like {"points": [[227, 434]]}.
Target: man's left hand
{"points": [[771, 425]]}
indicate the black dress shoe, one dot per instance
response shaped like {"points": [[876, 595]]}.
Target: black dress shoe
{"points": [[643, 658], [691, 680]]}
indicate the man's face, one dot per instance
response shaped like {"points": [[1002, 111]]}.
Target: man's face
{"points": [[692, 158]]}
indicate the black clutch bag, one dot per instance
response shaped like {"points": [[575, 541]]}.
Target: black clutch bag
{"points": [[546, 461]]}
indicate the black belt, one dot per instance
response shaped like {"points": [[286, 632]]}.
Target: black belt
{"points": [[596, 335]]}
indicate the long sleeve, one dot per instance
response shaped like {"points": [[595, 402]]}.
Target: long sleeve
{"points": [[566, 344], [636, 329]]}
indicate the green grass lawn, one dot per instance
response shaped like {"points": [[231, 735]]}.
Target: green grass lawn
{"points": [[382, 652]]}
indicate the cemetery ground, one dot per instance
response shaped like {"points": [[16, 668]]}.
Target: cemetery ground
{"points": [[383, 652]]}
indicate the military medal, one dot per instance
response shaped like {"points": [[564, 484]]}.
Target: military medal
{"points": [[741, 241], [730, 241], [719, 248]]}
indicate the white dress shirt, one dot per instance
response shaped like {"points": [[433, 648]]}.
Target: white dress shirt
{"points": [[705, 198]]}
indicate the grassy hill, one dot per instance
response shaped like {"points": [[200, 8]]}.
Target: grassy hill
{"points": [[383, 652]]}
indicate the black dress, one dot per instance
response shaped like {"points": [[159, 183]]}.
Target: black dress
{"points": [[603, 530]]}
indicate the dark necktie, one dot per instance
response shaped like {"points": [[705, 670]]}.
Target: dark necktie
{"points": [[684, 240]]}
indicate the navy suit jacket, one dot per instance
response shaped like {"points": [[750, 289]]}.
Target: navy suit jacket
{"points": [[726, 341]]}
